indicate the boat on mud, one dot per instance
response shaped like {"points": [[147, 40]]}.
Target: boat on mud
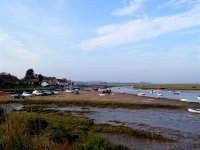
{"points": [[194, 110], [159, 94], [141, 94]]}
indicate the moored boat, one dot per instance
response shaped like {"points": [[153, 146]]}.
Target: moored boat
{"points": [[140, 94], [159, 94], [194, 110], [177, 92], [198, 97]]}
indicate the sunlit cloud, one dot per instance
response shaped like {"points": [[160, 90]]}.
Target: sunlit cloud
{"points": [[141, 29], [179, 3]]}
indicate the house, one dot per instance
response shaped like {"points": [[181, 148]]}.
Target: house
{"points": [[44, 83], [8, 80], [32, 81], [59, 82]]}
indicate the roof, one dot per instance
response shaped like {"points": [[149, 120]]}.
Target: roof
{"points": [[8, 77]]}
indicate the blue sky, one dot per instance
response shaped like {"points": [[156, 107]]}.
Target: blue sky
{"points": [[111, 40]]}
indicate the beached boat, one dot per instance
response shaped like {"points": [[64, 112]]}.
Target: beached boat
{"points": [[140, 94], [159, 94], [188, 100], [183, 99], [194, 110]]}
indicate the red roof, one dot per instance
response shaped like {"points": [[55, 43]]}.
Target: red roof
{"points": [[8, 77]]}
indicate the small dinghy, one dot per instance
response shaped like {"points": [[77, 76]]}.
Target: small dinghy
{"points": [[194, 110], [141, 94]]}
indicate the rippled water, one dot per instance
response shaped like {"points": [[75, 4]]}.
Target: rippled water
{"points": [[187, 94]]}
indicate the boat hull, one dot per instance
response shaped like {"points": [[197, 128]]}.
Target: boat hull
{"points": [[194, 110]]}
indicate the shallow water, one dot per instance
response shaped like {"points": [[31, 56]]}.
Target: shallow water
{"points": [[12, 106], [186, 94], [180, 125], [179, 120]]}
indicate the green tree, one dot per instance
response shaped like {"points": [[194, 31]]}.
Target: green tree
{"points": [[40, 78], [29, 74]]}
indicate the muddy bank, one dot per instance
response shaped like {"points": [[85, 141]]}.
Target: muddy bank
{"points": [[93, 98]]}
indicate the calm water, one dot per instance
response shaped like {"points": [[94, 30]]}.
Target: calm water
{"points": [[180, 125], [187, 94], [179, 120]]}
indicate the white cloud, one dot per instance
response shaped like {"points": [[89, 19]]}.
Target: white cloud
{"points": [[179, 3], [14, 49], [133, 6], [141, 29]]}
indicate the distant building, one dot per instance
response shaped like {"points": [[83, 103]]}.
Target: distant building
{"points": [[32, 81], [59, 82], [8, 80], [44, 84]]}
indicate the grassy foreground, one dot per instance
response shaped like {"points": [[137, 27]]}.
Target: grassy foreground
{"points": [[55, 130]]}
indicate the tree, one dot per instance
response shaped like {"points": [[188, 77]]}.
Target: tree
{"points": [[29, 74], [40, 78]]}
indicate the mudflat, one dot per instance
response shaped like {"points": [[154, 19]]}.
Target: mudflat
{"points": [[93, 96]]}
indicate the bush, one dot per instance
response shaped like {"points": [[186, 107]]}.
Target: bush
{"points": [[2, 115], [95, 142], [36, 126], [60, 135]]}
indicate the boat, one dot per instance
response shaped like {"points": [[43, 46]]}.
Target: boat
{"points": [[177, 92], [159, 94], [140, 94], [188, 100], [198, 97], [193, 110], [183, 99]]}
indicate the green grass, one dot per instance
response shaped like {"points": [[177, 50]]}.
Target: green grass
{"points": [[103, 104], [38, 131], [31, 130]]}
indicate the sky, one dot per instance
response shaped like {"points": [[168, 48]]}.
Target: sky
{"points": [[154, 41]]}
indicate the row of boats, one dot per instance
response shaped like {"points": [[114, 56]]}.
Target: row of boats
{"points": [[192, 110], [157, 92]]}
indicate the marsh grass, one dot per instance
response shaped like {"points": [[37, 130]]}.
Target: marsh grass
{"points": [[129, 131], [95, 142], [36, 129], [101, 104]]}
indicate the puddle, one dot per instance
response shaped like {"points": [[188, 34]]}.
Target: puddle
{"points": [[12, 106]]}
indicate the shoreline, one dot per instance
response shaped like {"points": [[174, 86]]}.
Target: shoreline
{"points": [[93, 98]]}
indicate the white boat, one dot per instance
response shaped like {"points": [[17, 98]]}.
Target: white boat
{"points": [[188, 100], [177, 92], [194, 110], [159, 94], [183, 99], [198, 97], [140, 94]]}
